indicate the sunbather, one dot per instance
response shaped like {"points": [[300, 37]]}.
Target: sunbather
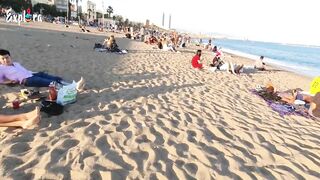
{"points": [[12, 72], [290, 97], [26, 121]]}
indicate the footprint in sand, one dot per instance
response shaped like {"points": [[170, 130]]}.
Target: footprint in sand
{"points": [[122, 126], [70, 143], [102, 144], [192, 136], [8, 164], [19, 148], [191, 168], [182, 149]]}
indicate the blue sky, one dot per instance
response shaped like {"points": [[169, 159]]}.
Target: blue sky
{"points": [[285, 21]]}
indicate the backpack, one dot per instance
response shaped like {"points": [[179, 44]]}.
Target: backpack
{"points": [[97, 45]]}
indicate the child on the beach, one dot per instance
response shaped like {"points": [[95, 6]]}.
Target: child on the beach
{"points": [[13, 73]]}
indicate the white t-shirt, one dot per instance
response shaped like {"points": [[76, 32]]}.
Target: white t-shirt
{"points": [[259, 63]]}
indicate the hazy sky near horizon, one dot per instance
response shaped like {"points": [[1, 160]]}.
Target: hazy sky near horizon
{"points": [[286, 21]]}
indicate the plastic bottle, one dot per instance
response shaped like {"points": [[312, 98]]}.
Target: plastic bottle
{"points": [[52, 92]]}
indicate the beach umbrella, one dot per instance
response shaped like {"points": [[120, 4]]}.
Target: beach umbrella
{"points": [[315, 85]]}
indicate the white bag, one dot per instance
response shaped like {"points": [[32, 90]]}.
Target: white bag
{"points": [[67, 94]]}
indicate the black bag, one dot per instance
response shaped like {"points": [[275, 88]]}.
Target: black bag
{"points": [[51, 108], [97, 45]]}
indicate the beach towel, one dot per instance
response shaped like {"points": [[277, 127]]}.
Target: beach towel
{"points": [[281, 107]]}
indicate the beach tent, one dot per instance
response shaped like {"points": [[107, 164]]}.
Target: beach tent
{"points": [[315, 85]]}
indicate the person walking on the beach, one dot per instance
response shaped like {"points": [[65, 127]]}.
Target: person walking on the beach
{"points": [[13, 73], [26, 121], [196, 60]]}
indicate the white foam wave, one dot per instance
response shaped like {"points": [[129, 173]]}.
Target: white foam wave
{"points": [[293, 67]]}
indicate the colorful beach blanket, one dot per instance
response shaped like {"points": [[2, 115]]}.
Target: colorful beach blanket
{"points": [[281, 107]]}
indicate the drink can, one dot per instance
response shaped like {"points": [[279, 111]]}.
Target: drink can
{"points": [[16, 104]]}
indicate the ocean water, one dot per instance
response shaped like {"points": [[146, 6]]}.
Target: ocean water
{"points": [[298, 58]]}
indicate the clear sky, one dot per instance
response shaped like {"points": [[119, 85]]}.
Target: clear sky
{"points": [[286, 21]]}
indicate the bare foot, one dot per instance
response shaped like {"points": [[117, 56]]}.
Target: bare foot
{"points": [[80, 84], [32, 119]]}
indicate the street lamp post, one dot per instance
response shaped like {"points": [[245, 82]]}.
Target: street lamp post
{"points": [[102, 13]]}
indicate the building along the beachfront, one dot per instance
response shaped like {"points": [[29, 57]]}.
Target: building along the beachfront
{"points": [[49, 2], [61, 5], [88, 9]]}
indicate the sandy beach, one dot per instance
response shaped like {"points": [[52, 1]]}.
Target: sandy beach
{"points": [[149, 115]]}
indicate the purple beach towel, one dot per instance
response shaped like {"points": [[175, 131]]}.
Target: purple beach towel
{"points": [[283, 108]]}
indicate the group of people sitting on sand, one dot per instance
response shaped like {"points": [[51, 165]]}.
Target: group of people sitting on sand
{"points": [[289, 96], [165, 41], [219, 64], [13, 73]]}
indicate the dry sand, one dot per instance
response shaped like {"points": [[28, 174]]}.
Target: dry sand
{"points": [[149, 115]]}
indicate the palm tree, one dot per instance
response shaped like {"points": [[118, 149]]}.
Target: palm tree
{"points": [[109, 11], [126, 22]]}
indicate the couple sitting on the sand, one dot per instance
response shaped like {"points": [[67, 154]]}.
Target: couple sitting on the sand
{"points": [[294, 96], [13, 73], [109, 44], [163, 44]]}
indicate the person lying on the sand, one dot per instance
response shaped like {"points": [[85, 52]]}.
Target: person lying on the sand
{"points": [[13, 72], [219, 64], [291, 96], [26, 120]]}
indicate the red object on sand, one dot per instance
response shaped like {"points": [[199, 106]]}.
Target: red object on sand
{"points": [[195, 62], [52, 92], [16, 104]]}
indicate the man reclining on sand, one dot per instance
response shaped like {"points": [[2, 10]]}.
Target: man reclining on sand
{"points": [[291, 97], [218, 64], [12, 73], [26, 121]]}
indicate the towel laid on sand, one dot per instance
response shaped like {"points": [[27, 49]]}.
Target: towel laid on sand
{"points": [[281, 107]]}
